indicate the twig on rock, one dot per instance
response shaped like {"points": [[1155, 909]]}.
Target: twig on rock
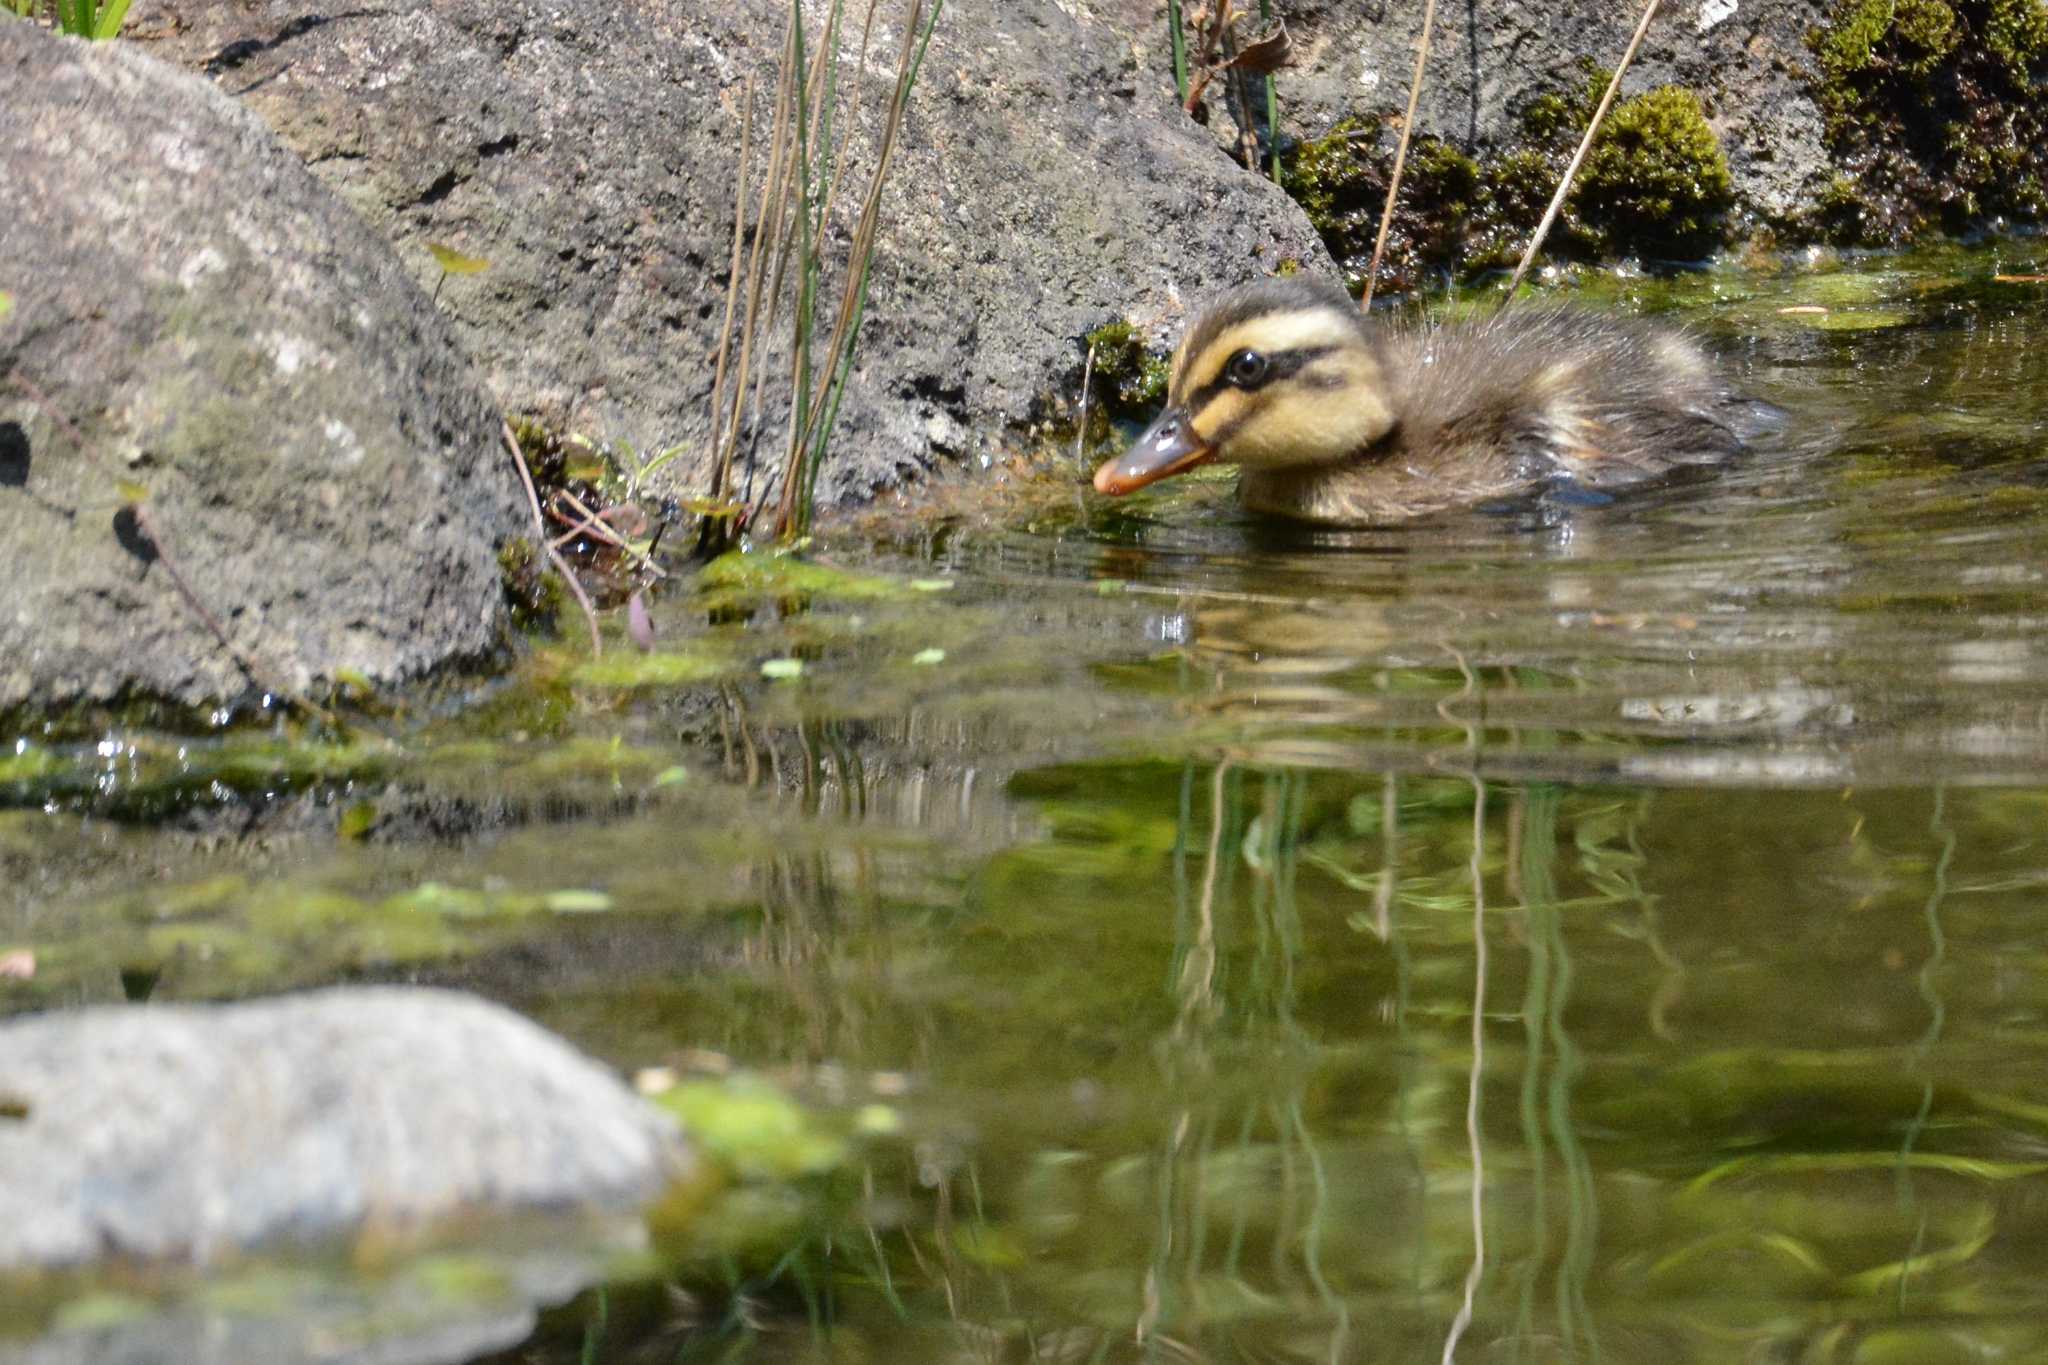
{"points": [[1571, 171], [540, 531]]}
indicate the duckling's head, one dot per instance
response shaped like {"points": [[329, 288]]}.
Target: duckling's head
{"points": [[1278, 374]]}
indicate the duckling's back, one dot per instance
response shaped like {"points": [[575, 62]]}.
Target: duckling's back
{"points": [[1545, 392], [1524, 398]]}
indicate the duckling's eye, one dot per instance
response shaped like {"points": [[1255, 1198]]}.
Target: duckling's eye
{"points": [[1246, 369]]}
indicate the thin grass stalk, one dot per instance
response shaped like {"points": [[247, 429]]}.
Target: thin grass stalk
{"points": [[107, 23], [1273, 101], [853, 301], [773, 189], [1178, 38], [827, 106], [814, 156], [860, 83], [800, 472], [732, 290], [855, 288], [807, 270], [1571, 171], [1379, 246]]}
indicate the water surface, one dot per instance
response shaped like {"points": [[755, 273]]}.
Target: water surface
{"points": [[1537, 934]]}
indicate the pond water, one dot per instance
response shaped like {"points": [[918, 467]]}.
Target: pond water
{"points": [[1613, 932]]}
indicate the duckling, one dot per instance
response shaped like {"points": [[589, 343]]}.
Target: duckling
{"points": [[1337, 419]]}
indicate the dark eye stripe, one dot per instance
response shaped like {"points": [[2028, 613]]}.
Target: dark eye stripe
{"points": [[1279, 365]]}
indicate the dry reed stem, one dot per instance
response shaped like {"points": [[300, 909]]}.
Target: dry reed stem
{"points": [[586, 521], [540, 528], [1087, 378], [1592, 129], [812, 143], [732, 290], [773, 187], [1219, 19], [867, 24], [1379, 245]]}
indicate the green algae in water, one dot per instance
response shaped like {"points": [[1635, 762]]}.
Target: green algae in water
{"points": [[658, 668], [755, 1130]]}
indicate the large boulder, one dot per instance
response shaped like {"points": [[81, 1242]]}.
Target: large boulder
{"points": [[1041, 189], [196, 319], [189, 1133]]}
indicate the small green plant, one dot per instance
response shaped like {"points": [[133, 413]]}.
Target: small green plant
{"points": [[79, 18], [790, 239]]}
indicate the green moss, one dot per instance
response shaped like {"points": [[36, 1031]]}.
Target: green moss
{"points": [[1340, 180], [1933, 110], [2016, 33], [1656, 183], [535, 594], [1926, 31], [1128, 376], [1656, 179], [1566, 112]]}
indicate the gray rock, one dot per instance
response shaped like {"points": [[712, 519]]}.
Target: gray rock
{"points": [[1747, 59], [1040, 190], [190, 1132], [194, 314]]}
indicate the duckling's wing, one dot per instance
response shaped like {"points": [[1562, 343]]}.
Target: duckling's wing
{"points": [[1646, 441]]}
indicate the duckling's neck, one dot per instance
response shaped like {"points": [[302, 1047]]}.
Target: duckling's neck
{"points": [[1341, 492]]}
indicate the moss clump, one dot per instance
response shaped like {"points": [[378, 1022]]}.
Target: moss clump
{"points": [[1655, 180], [1655, 184], [2016, 33], [1340, 181], [1934, 111], [1128, 378], [535, 595]]}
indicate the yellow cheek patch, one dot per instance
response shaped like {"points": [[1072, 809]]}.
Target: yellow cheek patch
{"points": [[1220, 413]]}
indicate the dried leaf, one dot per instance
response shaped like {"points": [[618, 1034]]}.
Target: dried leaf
{"points": [[1264, 55], [454, 262], [717, 511], [2002, 279]]}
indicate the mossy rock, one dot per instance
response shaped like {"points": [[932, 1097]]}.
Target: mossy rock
{"points": [[1937, 112], [1656, 184]]}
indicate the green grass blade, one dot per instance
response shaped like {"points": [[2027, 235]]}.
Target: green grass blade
{"points": [[1177, 35], [1272, 101], [108, 24]]}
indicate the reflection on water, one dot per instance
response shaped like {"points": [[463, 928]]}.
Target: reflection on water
{"points": [[1537, 935]]}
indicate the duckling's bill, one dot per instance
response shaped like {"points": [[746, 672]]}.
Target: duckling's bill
{"points": [[1168, 446]]}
